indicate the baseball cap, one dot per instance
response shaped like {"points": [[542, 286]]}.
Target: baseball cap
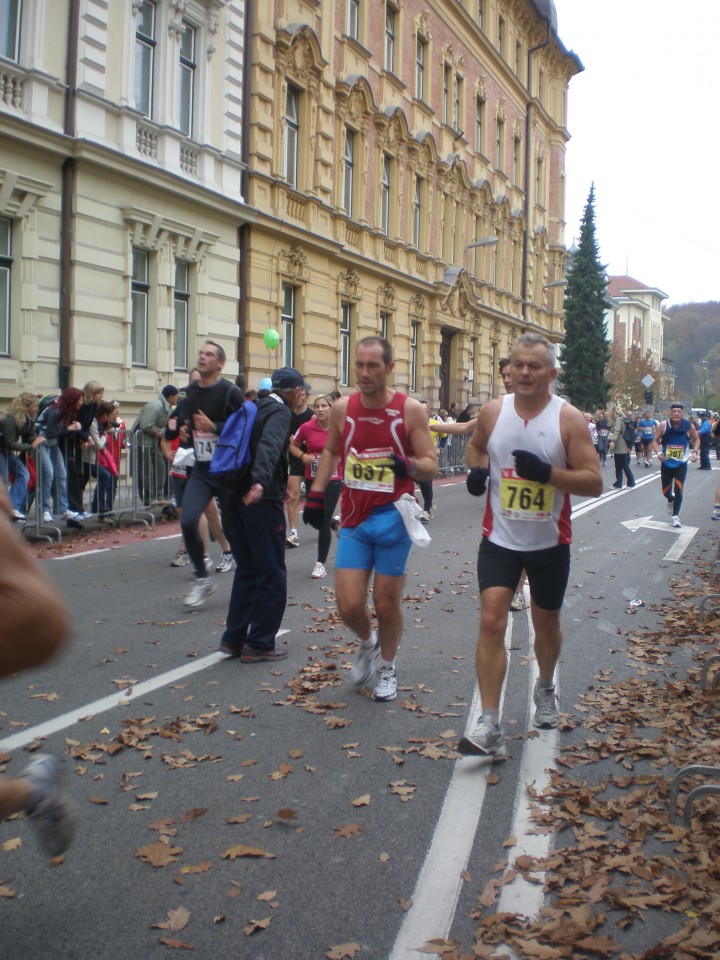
{"points": [[287, 378]]}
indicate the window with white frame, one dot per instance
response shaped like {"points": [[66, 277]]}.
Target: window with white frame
{"points": [[10, 16], [457, 101], [479, 124], [5, 283], [417, 212], [447, 93], [539, 183], [287, 324], [292, 135], [414, 343], [349, 172], [144, 56], [181, 304], [499, 143], [187, 78], [420, 56], [345, 332], [385, 190], [352, 19], [390, 25], [383, 318], [140, 295]]}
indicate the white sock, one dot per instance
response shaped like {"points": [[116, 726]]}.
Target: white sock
{"points": [[545, 684], [370, 642], [382, 662], [492, 714]]}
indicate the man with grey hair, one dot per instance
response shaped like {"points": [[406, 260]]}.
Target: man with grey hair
{"points": [[540, 453]]}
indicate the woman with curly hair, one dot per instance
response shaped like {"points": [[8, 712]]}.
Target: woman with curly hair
{"points": [[18, 439]]}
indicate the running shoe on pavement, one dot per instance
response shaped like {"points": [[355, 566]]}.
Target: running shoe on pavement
{"points": [[486, 740], [292, 539], [546, 712], [319, 571], [181, 559], [386, 686], [518, 601], [201, 589], [670, 505], [364, 667], [715, 515], [226, 564], [52, 815], [676, 521]]}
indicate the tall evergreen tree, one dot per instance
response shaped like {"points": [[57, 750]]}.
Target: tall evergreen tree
{"points": [[586, 351]]}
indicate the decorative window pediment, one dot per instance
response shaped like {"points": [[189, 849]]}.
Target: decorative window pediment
{"points": [[19, 194], [151, 231]]}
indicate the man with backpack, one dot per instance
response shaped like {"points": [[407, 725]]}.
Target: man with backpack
{"points": [[254, 521], [208, 404], [622, 442]]}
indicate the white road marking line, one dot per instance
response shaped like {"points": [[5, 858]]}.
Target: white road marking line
{"points": [[66, 720], [436, 894], [85, 553]]}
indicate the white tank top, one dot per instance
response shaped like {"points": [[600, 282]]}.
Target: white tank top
{"points": [[522, 514]]}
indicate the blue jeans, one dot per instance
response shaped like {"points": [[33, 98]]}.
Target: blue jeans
{"points": [[11, 464], [44, 476], [259, 590], [60, 496]]}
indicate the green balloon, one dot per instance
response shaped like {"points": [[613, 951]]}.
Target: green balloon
{"points": [[271, 338]]}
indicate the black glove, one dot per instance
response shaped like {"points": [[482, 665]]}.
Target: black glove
{"points": [[314, 509], [531, 467], [401, 466], [476, 481]]}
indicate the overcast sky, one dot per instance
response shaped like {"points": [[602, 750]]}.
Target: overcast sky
{"points": [[643, 117]]}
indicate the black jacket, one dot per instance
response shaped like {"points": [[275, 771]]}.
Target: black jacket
{"points": [[269, 445]]}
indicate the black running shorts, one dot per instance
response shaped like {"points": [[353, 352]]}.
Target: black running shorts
{"points": [[547, 571]]}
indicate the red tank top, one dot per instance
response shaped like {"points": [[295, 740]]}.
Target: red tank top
{"points": [[369, 437]]}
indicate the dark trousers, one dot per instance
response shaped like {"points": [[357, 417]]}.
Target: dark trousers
{"points": [[673, 481], [72, 452], [199, 491], [426, 489], [622, 466], [332, 493], [705, 453], [259, 591]]}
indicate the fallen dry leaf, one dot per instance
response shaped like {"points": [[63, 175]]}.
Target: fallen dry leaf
{"points": [[343, 951], [158, 854], [176, 920], [242, 850], [253, 926]]}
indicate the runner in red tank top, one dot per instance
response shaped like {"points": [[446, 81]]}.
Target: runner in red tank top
{"points": [[382, 439]]}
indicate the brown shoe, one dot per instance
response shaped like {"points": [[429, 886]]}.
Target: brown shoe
{"points": [[261, 656]]}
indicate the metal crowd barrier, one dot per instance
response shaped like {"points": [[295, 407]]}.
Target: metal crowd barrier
{"points": [[452, 456], [142, 485]]}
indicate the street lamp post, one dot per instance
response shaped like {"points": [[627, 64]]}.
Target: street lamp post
{"points": [[485, 242]]}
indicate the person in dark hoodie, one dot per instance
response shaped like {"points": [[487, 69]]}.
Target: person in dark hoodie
{"points": [[254, 521]]}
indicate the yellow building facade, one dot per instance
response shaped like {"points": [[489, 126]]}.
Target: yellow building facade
{"points": [[406, 161]]}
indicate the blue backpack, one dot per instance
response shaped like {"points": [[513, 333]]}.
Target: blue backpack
{"points": [[230, 464]]}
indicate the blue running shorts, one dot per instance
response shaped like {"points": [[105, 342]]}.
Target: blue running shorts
{"points": [[381, 542]]}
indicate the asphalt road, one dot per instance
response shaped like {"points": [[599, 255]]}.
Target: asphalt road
{"points": [[285, 812]]}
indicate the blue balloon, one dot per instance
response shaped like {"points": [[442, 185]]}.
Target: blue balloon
{"points": [[265, 384]]}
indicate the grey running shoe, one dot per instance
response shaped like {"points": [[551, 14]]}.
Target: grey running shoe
{"points": [[363, 669], [546, 713], [52, 815], [486, 740], [386, 686], [199, 592], [181, 559], [226, 564]]}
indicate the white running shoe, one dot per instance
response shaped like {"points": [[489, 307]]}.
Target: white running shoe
{"points": [[199, 592], [386, 686], [52, 815], [546, 714], [486, 740], [319, 571], [670, 506], [226, 564], [676, 521], [181, 559], [292, 540], [364, 667], [48, 517], [518, 601]]}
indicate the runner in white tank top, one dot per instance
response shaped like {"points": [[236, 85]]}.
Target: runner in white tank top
{"points": [[540, 452]]}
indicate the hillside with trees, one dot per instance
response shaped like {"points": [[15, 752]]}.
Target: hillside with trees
{"points": [[692, 335]]}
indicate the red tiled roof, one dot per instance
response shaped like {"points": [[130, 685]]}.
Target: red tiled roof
{"points": [[618, 285]]}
